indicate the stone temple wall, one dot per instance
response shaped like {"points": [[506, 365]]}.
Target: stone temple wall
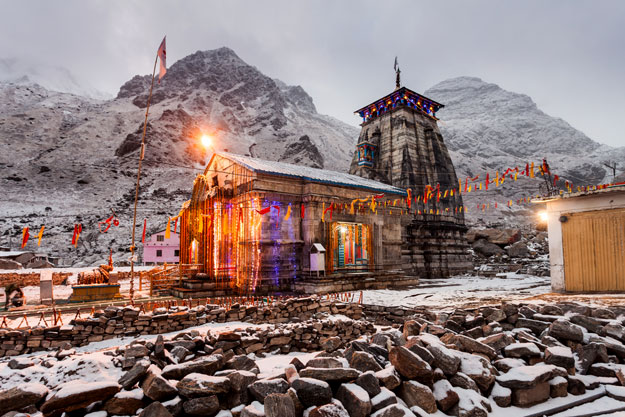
{"points": [[411, 154]]}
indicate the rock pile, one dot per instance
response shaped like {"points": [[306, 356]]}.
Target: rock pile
{"points": [[525, 251], [130, 321], [463, 363]]}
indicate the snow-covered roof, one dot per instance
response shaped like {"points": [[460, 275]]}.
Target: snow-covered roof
{"points": [[310, 174], [13, 254]]}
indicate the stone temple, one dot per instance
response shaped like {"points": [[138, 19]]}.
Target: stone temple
{"points": [[400, 144], [254, 227]]}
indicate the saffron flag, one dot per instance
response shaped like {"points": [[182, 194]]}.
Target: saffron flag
{"points": [[40, 235], [77, 231], [25, 237], [167, 229], [162, 58]]}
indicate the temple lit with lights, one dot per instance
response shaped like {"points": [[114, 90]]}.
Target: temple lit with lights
{"points": [[254, 226]]}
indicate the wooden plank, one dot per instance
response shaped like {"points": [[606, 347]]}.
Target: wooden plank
{"points": [[594, 251]]}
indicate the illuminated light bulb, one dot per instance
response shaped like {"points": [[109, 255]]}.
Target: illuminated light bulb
{"points": [[206, 141], [543, 216]]}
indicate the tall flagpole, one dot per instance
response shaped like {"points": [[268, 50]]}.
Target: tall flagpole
{"points": [[134, 217]]}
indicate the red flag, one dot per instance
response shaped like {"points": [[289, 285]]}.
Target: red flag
{"points": [[302, 210], [264, 211], [162, 57], [25, 237], [145, 223]]}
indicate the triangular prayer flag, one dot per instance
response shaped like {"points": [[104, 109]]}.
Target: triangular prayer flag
{"points": [[145, 224], [25, 237], [167, 229], [162, 57], [40, 235]]}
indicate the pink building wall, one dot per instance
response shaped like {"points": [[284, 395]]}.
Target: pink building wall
{"points": [[168, 248]]}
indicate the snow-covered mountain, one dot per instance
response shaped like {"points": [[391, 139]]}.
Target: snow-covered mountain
{"points": [[55, 78], [489, 129], [69, 159]]}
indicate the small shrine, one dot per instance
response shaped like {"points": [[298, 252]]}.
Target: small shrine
{"points": [[99, 284]]}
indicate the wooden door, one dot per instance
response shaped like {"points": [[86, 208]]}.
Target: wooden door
{"points": [[593, 245]]}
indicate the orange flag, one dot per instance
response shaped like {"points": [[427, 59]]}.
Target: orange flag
{"points": [[40, 235], [25, 237]]}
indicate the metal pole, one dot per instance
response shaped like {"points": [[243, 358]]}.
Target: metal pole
{"points": [[134, 217]]}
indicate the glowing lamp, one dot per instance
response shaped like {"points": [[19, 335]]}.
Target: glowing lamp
{"points": [[543, 216], [206, 141]]}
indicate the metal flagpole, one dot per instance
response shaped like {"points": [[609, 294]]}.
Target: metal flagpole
{"points": [[134, 217]]}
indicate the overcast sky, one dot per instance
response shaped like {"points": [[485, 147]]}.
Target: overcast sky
{"points": [[568, 55]]}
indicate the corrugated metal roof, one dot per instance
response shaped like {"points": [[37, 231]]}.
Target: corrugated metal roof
{"points": [[311, 174]]}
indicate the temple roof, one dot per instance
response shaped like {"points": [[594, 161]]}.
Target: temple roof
{"points": [[309, 174], [402, 96]]}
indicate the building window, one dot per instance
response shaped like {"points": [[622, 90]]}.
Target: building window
{"points": [[350, 245], [176, 252], [159, 253], [160, 238]]}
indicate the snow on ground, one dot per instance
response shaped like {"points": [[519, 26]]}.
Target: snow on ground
{"points": [[92, 363], [462, 290], [275, 364]]}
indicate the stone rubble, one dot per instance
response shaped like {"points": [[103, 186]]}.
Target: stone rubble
{"points": [[462, 363]]}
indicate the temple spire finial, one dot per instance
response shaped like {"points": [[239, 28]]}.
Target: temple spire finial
{"points": [[397, 77]]}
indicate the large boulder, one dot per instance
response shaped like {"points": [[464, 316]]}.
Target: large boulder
{"points": [[518, 250], [202, 406], [125, 403], [312, 392], [199, 385], [75, 395], [334, 409], [414, 393], [16, 398], [385, 398], [355, 400], [263, 387], [156, 409], [207, 365], [486, 248], [410, 365], [279, 405], [526, 376], [388, 377], [563, 329], [364, 361], [560, 356], [134, 375], [444, 358], [330, 374], [156, 387], [445, 395]]}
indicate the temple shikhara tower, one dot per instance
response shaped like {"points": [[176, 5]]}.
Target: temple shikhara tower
{"points": [[400, 144]]}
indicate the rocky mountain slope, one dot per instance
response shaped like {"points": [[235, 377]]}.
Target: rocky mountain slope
{"points": [[70, 159], [489, 129]]}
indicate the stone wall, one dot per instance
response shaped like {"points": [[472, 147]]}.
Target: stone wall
{"points": [[31, 279], [130, 321]]}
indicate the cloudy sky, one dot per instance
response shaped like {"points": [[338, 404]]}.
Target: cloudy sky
{"points": [[568, 55]]}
